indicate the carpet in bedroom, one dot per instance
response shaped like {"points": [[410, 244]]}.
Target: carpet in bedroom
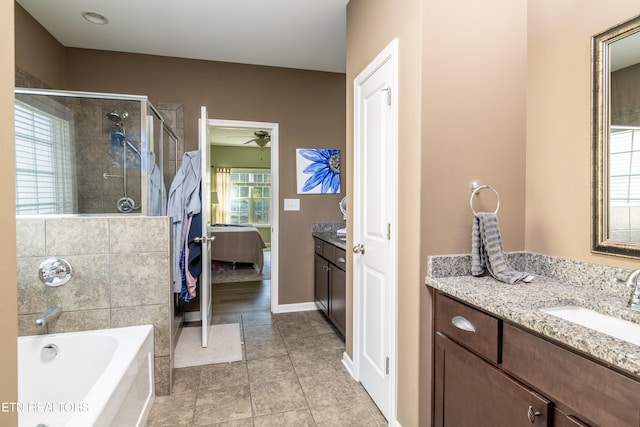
{"points": [[224, 272]]}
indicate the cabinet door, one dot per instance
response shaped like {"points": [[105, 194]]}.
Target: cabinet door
{"points": [[594, 392], [338, 296], [321, 284], [471, 392]]}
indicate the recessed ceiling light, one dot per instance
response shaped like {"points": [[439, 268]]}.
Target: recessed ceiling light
{"points": [[95, 17]]}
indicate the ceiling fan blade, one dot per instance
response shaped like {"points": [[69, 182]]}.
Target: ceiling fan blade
{"points": [[251, 140]]}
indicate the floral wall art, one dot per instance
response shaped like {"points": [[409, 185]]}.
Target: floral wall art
{"points": [[318, 170]]}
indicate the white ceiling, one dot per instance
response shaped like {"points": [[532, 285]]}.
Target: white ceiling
{"points": [[233, 136], [302, 34]]}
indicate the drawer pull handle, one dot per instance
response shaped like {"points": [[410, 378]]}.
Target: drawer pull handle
{"points": [[532, 414], [342, 259], [462, 323]]}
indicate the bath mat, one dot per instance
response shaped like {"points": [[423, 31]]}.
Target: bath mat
{"points": [[224, 346]]}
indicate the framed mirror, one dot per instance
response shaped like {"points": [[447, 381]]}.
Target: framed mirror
{"points": [[615, 199]]}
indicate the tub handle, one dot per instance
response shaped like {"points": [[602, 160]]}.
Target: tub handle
{"points": [[55, 272]]}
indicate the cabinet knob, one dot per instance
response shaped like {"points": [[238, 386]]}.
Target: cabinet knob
{"points": [[532, 414]]}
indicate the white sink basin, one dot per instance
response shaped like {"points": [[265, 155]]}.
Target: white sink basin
{"points": [[618, 328]]}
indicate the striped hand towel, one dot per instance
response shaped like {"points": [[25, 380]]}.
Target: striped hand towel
{"points": [[487, 253]]}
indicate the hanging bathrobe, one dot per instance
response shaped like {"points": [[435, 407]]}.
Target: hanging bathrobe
{"points": [[184, 200]]}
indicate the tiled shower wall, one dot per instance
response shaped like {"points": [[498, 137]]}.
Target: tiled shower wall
{"points": [[121, 277]]}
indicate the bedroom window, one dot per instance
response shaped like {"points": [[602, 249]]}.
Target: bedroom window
{"points": [[44, 162], [251, 196]]}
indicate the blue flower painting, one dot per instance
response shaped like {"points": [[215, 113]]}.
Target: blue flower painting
{"points": [[318, 170]]}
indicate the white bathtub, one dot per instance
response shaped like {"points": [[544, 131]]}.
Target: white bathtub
{"points": [[98, 378]]}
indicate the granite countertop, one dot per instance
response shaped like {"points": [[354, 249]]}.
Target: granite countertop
{"points": [[327, 232], [520, 303]]}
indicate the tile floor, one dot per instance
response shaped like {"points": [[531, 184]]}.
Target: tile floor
{"points": [[291, 375]]}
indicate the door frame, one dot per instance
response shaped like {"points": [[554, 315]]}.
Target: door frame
{"points": [[389, 53], [274, 130]]}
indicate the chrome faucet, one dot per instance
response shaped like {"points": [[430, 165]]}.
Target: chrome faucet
{"points": [[48, 316], [632, 282]]}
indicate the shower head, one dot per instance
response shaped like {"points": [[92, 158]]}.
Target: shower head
{"points": [[116, 117]]}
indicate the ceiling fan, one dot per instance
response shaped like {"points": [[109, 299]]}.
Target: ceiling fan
{"points": [[262, 138]]}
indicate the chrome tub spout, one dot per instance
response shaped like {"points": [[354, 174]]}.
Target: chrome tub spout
{"points": [[48, 316]]}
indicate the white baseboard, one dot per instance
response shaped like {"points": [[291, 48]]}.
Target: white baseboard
{"points": [[348, 364], [303, 306]]}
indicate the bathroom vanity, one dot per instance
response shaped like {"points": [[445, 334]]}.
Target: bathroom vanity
{"points": [[330, 277], [501, 361]]}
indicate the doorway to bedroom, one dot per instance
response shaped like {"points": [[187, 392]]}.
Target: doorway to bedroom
{"points": [[243, 189]]}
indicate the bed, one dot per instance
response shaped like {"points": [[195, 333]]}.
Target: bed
{"points": [[237, 243]]}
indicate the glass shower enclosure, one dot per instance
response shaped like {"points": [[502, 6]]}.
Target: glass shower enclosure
{"points": [[91, 153]]}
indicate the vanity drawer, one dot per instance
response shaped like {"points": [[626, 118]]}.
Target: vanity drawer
{"points": [[329, 252], [471, 328], [318, 244], [341, 259]]}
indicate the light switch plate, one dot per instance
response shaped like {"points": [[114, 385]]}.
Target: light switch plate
{"points": [[291, 204]]}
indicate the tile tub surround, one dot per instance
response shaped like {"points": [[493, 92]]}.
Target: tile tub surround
{"points": [[121, 272], [558, 281]]}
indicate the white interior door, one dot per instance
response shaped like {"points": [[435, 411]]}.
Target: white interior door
{"points": [[205, 188], [375, 225]]}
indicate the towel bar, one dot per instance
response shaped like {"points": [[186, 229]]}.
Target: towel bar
{"points": [[475, 189]]}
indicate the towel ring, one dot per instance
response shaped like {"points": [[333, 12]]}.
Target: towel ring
{"points": [[475, 190]]}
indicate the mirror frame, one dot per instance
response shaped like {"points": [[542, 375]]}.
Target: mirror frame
{"points": [[600, 125]]}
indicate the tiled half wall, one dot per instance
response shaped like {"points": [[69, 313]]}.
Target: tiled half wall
{"points": [[121, 273]]}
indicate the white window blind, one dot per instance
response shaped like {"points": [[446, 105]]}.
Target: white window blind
{"points": [[44, 162], [250, 196]]}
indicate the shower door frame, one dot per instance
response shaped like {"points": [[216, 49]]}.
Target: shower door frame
{"points": [[145, 142]]}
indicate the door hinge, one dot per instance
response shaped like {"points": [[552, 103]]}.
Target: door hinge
{"points": [[388, 90], [387, 365], [388, 231]]}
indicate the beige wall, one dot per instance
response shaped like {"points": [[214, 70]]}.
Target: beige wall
{"points": [[462, 118], [8, 297], [558, 195], [309, 107], [47, 61]]}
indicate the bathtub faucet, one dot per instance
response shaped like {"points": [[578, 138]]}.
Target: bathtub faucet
{"points": [[49, 315]]}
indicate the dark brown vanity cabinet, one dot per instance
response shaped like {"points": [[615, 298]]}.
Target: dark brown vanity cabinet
{"points": [[492, 373], [470, 391], [330, 282]]}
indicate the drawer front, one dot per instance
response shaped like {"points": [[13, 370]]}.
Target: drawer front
{"points": [[471, 328], [329, 252], [318, 245], [598, 395], [341, 259]]}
